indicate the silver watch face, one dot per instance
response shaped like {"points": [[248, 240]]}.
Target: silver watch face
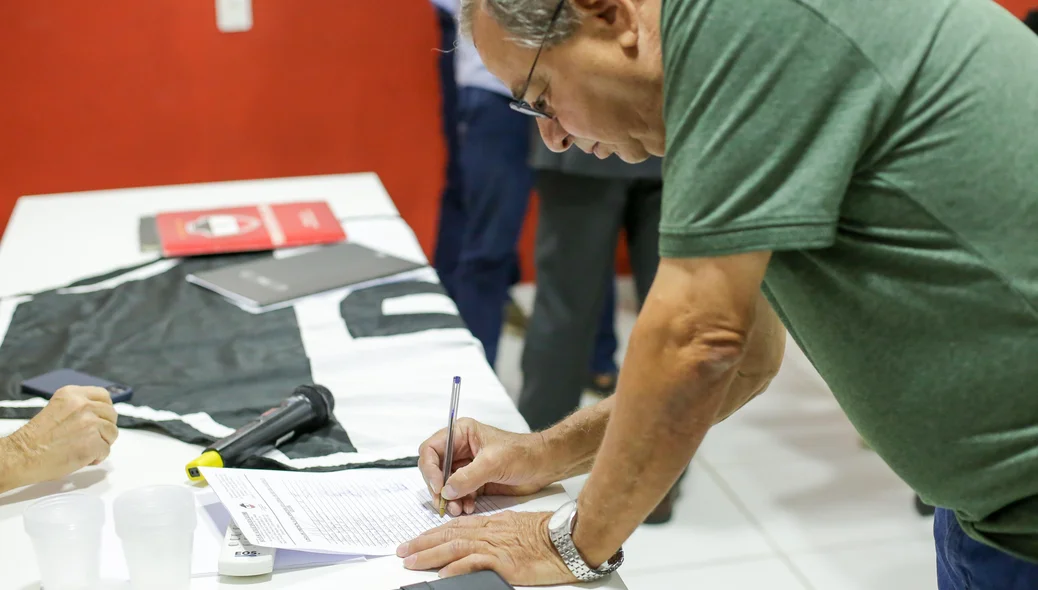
{"points": [[560, 520]]}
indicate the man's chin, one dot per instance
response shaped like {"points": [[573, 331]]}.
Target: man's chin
{"points": [[632, 158], [628, 153]]}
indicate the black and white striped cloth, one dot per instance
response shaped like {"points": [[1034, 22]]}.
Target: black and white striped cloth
{"points": [[200, 367]]}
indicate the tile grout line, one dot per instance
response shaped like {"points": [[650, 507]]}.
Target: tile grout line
{"points": [[829, 547], [735, 499]]}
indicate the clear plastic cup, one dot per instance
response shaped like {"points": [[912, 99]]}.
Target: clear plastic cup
{"points": [[66, 534], [156, 525]]}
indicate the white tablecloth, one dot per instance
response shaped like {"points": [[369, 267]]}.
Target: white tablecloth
{"points": [[52, 240]]}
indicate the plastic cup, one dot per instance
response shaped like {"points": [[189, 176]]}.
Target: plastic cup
{"points": [[66, 534], [156, 525]]}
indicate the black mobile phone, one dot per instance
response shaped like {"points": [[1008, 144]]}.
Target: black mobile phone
{"points": [[484, 580], [48, 384]]}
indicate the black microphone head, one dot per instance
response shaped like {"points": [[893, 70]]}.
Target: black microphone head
{"points": [[320, 398]]}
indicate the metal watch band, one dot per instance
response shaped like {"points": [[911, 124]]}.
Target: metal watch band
{"points": [[562, 537]]}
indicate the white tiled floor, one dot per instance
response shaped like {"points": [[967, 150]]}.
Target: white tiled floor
{"points": [[780, 496]]}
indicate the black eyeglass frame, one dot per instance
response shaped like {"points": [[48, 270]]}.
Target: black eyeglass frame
{"points": [[520, 104]]}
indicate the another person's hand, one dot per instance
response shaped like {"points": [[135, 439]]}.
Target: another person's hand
{"points": [[486, 461], [516, 545], [76, 429]]}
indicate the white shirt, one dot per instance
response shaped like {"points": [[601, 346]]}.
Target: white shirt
{"points": [[469, 70], [450, 6]]}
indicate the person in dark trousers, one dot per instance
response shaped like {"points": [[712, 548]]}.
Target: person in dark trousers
{"points": [[448, 240], [584, 205], [454, 214]]}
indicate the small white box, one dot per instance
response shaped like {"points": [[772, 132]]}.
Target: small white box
{"points": [[233, 16]]}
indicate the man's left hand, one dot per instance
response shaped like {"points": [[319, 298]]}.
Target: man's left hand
{"points": [[516, 545]]}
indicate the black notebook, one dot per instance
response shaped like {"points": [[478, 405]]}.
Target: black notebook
{"points": [[271, 283]]}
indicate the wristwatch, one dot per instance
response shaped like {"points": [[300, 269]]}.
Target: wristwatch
{"points": [[560, 529]]}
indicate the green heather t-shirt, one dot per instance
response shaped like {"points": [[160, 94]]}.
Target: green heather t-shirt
{"points": [[887, 153]]}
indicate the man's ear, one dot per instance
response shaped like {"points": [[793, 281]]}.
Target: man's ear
{"points": [[614, 18]]}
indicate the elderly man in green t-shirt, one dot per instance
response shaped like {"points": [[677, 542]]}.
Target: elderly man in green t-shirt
{"points": [[864, 171]]}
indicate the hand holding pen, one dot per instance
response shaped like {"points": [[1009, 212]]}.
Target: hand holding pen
{"points": [[484, 461], [448, 455]]}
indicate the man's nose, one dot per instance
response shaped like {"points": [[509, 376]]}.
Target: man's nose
{"points": [[555, 137]]}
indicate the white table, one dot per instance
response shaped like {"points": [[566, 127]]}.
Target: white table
{"points": [[52, 240]]}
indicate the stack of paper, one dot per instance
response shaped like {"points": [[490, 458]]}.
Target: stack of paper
{"points": [[367, 512], [312, 519], [213, 519]]}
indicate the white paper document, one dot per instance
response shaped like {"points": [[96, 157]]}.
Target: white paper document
{"points": [[359, 512], [213, 519]]}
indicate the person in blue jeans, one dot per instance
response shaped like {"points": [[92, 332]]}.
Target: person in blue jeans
{"points": [[497, 185], [486, 196], [448, 243], [966, 564]]}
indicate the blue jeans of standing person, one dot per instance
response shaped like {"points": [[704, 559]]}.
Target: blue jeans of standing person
{"points": [[965, 564], [493, 125], [495, 145], [452, 213]]}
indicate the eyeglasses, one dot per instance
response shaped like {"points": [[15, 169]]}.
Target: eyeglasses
{"points": [[520, 104]]}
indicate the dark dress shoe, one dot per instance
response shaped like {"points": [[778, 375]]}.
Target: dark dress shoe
{"points": [[602, 385], [515, 319], [664, 511], [923, 508]]}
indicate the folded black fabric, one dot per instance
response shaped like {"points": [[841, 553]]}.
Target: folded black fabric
{"points": [[200, 367]]}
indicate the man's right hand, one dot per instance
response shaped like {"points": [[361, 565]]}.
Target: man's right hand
{"points": [[76, 429], [486, 461]]}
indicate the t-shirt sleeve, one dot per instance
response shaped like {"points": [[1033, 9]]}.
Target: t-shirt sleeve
{"points": [[767, 111]]}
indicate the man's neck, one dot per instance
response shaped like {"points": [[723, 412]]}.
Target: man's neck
{"points": [[649, 83]]}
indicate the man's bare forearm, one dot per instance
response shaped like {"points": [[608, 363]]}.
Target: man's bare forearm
{"points": [[663, 411], [13, 459], [690, 342], [575, 441]]}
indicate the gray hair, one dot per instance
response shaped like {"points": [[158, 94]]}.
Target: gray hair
{"points": [[526, 21]]}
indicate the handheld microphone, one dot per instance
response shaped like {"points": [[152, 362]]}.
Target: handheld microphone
{"points": [[308, 408]]}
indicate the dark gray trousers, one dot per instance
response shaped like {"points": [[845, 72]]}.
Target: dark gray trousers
{"points": [[579, 223]]}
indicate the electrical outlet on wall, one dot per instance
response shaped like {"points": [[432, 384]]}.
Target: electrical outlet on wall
{"points": [[233, 16]]}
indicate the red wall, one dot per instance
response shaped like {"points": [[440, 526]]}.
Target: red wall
{"points": [[122, 93], [119, 93], [1019, 7]]}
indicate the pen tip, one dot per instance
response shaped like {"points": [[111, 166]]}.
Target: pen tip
{"points": [[457, 380]]}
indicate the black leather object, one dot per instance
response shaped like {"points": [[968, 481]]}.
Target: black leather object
{"points": [[486, 580]]}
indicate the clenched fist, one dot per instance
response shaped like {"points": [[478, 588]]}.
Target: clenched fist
{"points": [[76, 429]]}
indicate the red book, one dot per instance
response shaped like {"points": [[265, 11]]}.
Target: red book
{"points": [[245, 229]]}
